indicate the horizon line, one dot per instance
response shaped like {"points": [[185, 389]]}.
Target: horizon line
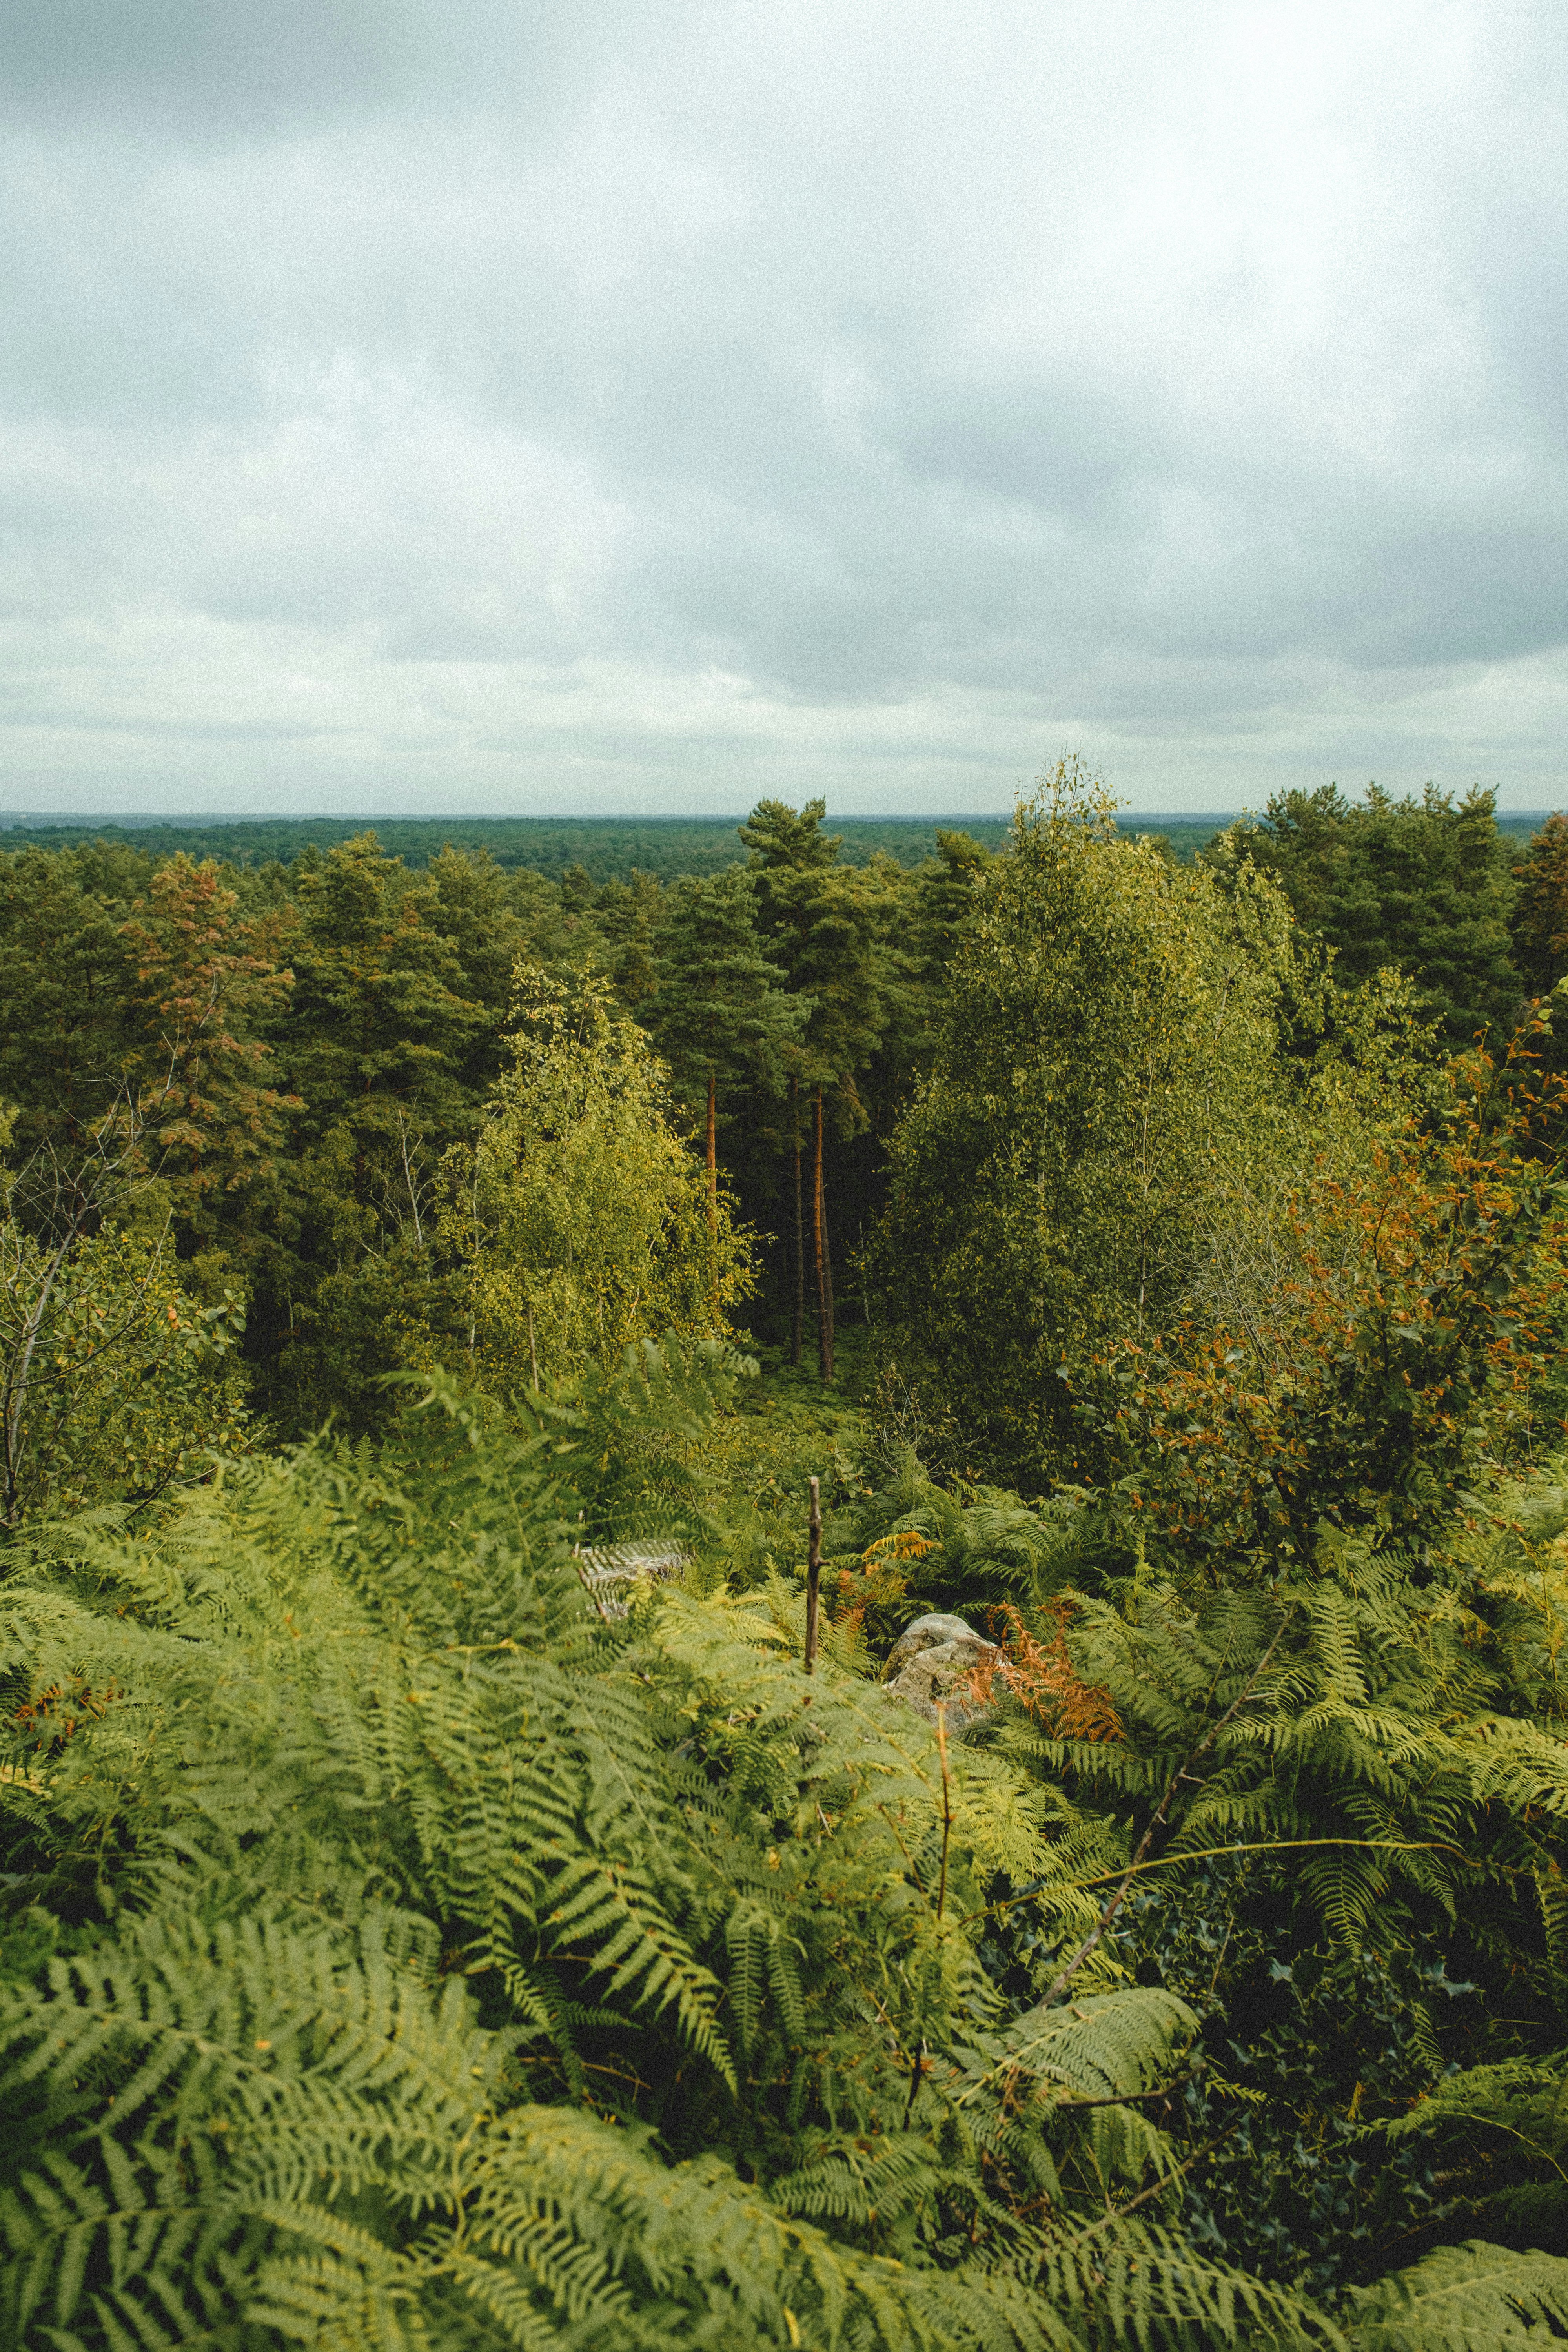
{"points": [[42, 820]]}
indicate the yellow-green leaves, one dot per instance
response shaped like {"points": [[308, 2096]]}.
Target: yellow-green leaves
{"points": [[581, 1215], [1107, 1083]]}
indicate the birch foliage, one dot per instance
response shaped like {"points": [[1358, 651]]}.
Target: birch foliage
{"points": [[1106, 1081], [582, 1216]]}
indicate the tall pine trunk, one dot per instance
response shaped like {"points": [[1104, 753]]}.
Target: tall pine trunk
{"points": [[828, 1275], [713, 1161], [819, 1248], [799, 1325]]}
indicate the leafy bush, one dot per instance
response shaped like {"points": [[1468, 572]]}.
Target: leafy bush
{"points": [[114, 1381]]}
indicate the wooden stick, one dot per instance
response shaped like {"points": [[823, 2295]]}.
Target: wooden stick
{"points": [[813, 1576]]}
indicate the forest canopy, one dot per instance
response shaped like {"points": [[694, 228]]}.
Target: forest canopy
{"points": [[488, 1863]]}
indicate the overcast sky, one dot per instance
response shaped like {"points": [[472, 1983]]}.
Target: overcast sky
{"points": [[506, 404]]}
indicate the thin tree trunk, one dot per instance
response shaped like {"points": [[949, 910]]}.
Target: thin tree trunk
{"points": [[799, 1325], [819, 1250], [813, 1575], [712, 1163], [17, 1377], [827, 1275]]}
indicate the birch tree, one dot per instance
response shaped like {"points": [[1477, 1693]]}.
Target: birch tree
{"points": [[1106, 1079]]}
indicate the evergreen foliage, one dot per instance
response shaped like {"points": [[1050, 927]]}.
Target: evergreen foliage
{"points": [[717, 1010], [1423, 885], [1541, 911]]}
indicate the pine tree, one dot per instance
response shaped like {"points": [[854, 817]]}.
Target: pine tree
{"points": [[380, 1025], [945, 903], [1422, 884], [781, 840], [1541, 914], [628, 917], [380, 1042], [819, 925], [718, 1013], [203, 983], [66, 969]]}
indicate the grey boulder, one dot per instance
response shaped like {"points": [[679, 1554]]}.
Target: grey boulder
{"points": [[934, 1664]]}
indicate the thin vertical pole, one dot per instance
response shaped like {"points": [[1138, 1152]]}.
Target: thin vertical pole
{"points": [[813, 1576], [946, 1805]]}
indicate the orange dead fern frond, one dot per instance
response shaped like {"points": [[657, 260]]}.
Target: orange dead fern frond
{"points": [[880, 1581], [1042, 1677], [53, 1716], [903, 1545]]}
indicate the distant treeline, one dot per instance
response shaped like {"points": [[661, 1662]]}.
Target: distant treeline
{"points": [[606, 849]]}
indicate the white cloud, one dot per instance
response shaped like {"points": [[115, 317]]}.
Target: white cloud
{"points": [[499, 408]]}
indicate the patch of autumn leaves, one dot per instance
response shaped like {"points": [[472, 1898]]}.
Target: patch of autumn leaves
{"points": [[881, 1582], [1040, 1674], [1397, 1361], [1035, 1669], [52, 1717]]}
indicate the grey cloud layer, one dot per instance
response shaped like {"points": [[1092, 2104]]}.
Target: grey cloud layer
{"points": [[481, 403]]}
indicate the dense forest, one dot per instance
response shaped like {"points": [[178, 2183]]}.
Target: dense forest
{"points": [[606, 849], [488, 1863]]}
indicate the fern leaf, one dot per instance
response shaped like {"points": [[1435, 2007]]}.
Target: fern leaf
{"points": [[1469, 2298]]}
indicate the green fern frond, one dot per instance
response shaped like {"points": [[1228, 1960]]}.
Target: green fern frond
{"points": [[1469, 2298]]}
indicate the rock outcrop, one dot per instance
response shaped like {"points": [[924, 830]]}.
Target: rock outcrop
{"points": [[933, 1662]]}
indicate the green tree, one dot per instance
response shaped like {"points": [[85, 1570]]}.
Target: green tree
{"points": [[627, 916], [65, 972], [380, 1022], [718, 1013], [114, 1383], [819, 924], [379, 1042], [944, 902], [472, 903], [1106, 1084], [1397, 1362], [1422, 884], [203, 984], [780, 840], [1540, 931], [582, 1220]]}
